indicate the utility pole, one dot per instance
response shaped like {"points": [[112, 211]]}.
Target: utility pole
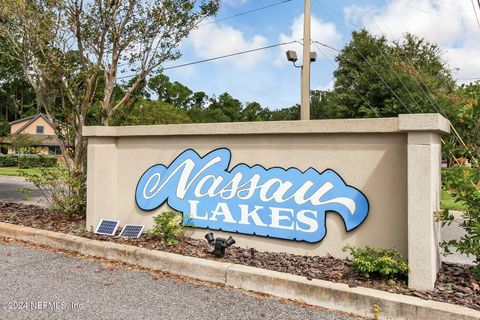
{"points": [[305, 100]]}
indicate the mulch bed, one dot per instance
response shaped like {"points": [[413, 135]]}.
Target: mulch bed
{"points": [[455, 283]]}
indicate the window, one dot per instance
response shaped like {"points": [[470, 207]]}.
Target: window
{"points": [[40, 129], [54, 150]]}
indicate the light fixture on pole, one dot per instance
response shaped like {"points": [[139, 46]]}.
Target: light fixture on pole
{"points": [[305, 90], [308, 57]]}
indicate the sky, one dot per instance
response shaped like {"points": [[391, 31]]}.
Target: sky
{"points": [[268, 78]]}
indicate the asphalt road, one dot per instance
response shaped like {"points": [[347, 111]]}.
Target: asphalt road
{"points": [[11, 190], [40, 284]]}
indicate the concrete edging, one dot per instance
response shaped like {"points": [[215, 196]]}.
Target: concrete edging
{"points": [[321, 293]]}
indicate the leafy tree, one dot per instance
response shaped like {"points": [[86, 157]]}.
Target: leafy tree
{"points": [[4, 127], [148, 112], [197, 108], [174, 93], [16, 96], [318, 104], [23, 143], [292, 113], [10, 68], [253, 111], [467, 123], [225, 108], [72, 53], [413, 77], [202, 108], [462, 180], [464, 185]]}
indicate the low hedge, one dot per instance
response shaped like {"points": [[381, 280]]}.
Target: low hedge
{"points": [[8, 160], [25, 162]]}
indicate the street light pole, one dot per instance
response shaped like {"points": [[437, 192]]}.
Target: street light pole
{"points": [[305, 98]]}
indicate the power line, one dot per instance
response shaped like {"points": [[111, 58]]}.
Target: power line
{"points": [[244, 13], [429, 97], [379, 50], [456, 135], [376, 72], [475, 11], [392, 68], [327, 46], [439, 109], [354, 88], [219, 57], [226, 18], [421, 10]]}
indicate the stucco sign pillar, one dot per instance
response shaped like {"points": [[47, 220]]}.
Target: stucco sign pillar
{"points": [[424, 158]]}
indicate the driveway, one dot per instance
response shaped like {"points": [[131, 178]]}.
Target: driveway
{"points": [[454, 231], [16, 189], [40, 284]]}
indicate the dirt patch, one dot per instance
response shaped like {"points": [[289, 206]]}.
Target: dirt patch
{"points": [[455, 283]]}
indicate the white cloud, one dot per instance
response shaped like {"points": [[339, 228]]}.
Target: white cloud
{"points": [[215, 40], [325, 32], [235, 3], [183, 72], [326, 87], [466, 60], [450, 24]]}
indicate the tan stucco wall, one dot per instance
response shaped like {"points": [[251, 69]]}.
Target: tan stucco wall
{"points": [[375, 164], [369, 154], [32, 127]]}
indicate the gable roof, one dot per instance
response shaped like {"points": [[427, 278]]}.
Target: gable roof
{"points": [[29, 120]]}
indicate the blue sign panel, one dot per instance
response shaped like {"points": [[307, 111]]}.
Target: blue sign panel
{"points": [[273, 202]]}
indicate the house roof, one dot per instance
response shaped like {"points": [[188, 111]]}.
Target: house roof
{"points": [[42, 139], [29, 120]]}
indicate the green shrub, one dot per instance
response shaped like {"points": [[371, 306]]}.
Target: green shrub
{"points": [[167, 225], [9, 160], [63, 190], [25, 162], [383, 262]]}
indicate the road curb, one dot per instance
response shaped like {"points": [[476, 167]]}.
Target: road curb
{"points": [[321, 293]]}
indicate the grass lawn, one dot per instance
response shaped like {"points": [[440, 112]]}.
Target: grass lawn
{"points": [[15, 171], [447, 202]]}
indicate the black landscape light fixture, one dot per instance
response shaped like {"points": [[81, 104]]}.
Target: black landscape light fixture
{"points": [[220, 244]]}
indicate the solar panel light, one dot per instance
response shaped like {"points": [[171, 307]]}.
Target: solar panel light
{"points": [[220, 244], [107, 227], [133, 231]]}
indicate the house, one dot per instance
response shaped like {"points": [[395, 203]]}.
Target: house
{"points": [[38, 127]]}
